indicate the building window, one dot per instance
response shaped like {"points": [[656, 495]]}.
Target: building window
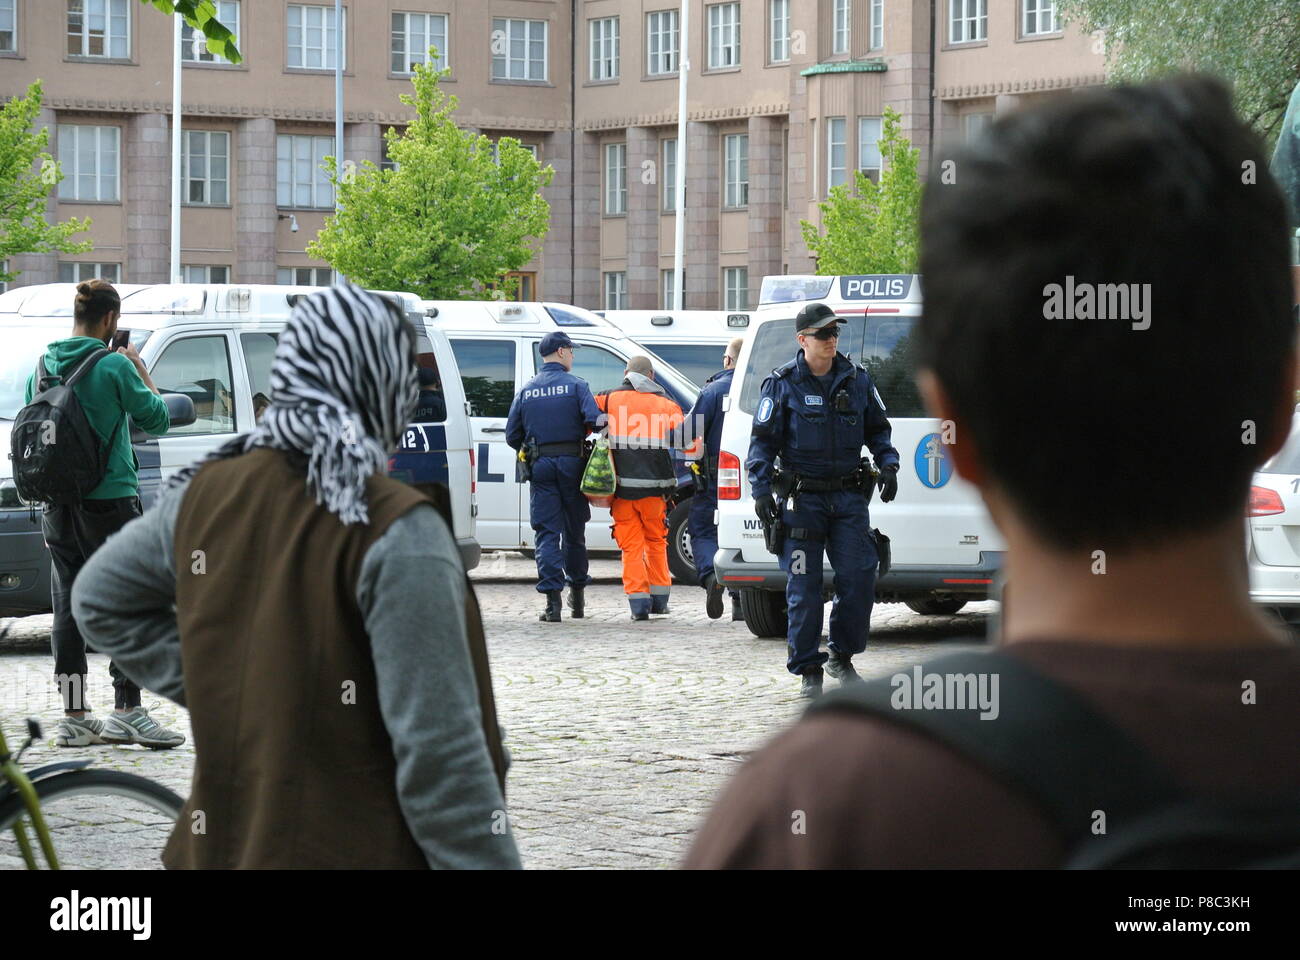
{"points": [[314, 38], [413, 35], [525, 284], [77, 272], [670, 175], [836, 151], [724, 35], [8, 26], [300, 179], [615, 178], [877, 24], [869, 133], [616, 290], [604, 48], [736, 152], [779, 31], [304, 276], [1039, 17], [518, 49], [496, 150], [387, 162], [841, 17], [968, 20], [206, 162], [974, 123], [735, 281], [661, 42], [194, 45], [668, 282], [99, 28], [89, 158], [191, 273]]}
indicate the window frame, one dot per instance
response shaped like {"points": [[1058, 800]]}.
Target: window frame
{"points": [[667, 287], [12, 49], [830, 151], [735, 189], [773, 39], [977, 22], [187, 431], [742, 292], [318, 171], [340, 36], [874, 143], [877, 29], [658, 33], [506, 59], [615, 189], [187, 179], [444, 59], [73, 178], [1040, 7], [98, 272], [194, 37], [619, 281], [668, 195], [293, 279], [841, 27], [108, 31], [207, 269], [609, 46], [717, 29]]}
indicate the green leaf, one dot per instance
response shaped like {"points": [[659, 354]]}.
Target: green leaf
{"points": [[202, 16]]}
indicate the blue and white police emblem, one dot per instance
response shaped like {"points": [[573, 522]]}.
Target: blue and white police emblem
{"points": [[764, 410], [812, 400], [933, 465]]}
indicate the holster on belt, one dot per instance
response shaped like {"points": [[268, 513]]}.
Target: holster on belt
{"points": [[524, 462]]}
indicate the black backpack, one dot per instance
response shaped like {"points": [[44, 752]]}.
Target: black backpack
{"points": [[1048, 744], [57, 455]]}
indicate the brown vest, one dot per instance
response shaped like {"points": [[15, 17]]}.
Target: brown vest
{"points": [[294, 766]]}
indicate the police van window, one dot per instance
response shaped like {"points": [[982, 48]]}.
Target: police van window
{"points": [[487, 370], [888, 354], [259, 353], [601, 369], [199, 367], [696, 361], [432, 405]]}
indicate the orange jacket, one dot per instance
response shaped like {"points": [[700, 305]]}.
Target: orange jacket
{"points": [[644, 426]]}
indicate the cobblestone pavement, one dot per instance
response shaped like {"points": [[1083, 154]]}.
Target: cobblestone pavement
{"points": [[622, 733]]}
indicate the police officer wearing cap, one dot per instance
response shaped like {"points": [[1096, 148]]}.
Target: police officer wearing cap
{"points": [[815, 414], [549, 420]]}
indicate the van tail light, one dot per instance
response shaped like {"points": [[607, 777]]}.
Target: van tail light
{"points": [[1265, 502], [728, 476], [473, 473]]}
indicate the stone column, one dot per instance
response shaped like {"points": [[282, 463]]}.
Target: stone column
{"points": [[146, 168], [363, 141], [701, 205], [43, 267], [255, 214], [557, 247], [643, 218], [765, 210], [799, 178], [586, 229]]}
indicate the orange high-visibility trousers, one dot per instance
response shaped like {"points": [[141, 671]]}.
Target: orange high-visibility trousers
{"points": [[642, 535]]}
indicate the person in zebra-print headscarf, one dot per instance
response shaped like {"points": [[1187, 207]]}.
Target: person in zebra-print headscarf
{"points": [[343, 385]]}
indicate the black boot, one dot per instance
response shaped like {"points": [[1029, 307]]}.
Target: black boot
{"points": [[552, 612], [841, 668], [576, 608], [811, 687], [712, 597]]}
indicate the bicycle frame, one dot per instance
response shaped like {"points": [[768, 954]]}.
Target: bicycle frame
{"points": [[22, 785]]}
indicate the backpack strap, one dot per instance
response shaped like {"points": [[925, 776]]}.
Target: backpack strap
{"points": [[85, 366], [1046, 741]]}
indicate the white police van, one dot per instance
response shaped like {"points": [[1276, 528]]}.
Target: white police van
{"points": [[496, 346], [213, 343], [693, 341], [945, 548]]}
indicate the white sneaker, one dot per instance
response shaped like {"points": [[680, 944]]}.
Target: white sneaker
{"points": [[80, 731], [138, 727]]}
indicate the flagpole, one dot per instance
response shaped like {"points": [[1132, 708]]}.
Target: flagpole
{"points": [[679, 187], [175, 266]]}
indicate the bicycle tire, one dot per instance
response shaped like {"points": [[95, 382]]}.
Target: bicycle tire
{"points": [[101, 782]]}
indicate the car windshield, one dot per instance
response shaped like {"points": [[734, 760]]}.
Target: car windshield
{"points": [[1286, 460], [883, 344], [697, 361], [20, 348]]}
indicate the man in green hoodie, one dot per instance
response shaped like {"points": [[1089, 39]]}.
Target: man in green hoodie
{"points": [[116, 387]]}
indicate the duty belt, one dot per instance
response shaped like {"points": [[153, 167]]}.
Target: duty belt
{"points": [[851, 481], [559, 449]]}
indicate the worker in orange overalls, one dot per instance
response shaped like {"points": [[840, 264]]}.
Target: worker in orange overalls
{"points": [[644, 426]]}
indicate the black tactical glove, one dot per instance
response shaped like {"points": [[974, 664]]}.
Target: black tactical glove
{"points": [[888, 482], [765, 507]]}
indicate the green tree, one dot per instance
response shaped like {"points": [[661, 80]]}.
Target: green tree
{"points": [[202, 16], [1253, 44], [872, 228], [449, 220], [27, 175]]}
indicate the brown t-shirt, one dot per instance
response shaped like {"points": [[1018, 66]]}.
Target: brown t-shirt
{"points": [[842, 790]]}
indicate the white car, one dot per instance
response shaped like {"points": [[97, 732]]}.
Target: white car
{"points": [[945, 549], [1273, 531]]}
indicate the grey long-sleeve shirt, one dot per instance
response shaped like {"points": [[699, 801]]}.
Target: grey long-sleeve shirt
{"points": [[411, 594]]}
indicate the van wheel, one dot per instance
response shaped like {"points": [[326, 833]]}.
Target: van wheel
{"points": [[764, 612], [681, 562], [933, 607]]}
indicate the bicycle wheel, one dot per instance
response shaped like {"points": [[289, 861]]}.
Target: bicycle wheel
{"points": [[98, 820]]}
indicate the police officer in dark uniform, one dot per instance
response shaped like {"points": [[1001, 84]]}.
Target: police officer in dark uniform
{"points": [[549, 420], [705, 422], [815, 414]]}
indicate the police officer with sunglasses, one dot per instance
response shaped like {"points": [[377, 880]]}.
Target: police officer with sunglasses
{"points": [[807, 472]]}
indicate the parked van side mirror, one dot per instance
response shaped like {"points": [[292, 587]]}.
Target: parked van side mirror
{"points": [[180, 408]]}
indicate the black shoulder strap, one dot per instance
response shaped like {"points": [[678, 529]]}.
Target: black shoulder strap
{"points": [[86, 366], [1045, 741]]}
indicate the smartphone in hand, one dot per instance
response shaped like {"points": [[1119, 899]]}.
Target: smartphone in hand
{"points": [[120, 339]]}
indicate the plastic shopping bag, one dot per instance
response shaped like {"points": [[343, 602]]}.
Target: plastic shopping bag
{"points": [[598, 479]]}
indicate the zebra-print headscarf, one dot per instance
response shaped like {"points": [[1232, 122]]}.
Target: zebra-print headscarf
{"points": [[343, 387]]}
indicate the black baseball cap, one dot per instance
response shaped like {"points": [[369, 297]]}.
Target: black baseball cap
{"points": [[554, 341], [815, 316]]}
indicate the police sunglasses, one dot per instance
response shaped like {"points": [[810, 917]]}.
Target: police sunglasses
{"points": [[831, 332]]}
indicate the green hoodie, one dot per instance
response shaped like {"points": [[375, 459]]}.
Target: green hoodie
{"points": [[109, 393]]}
